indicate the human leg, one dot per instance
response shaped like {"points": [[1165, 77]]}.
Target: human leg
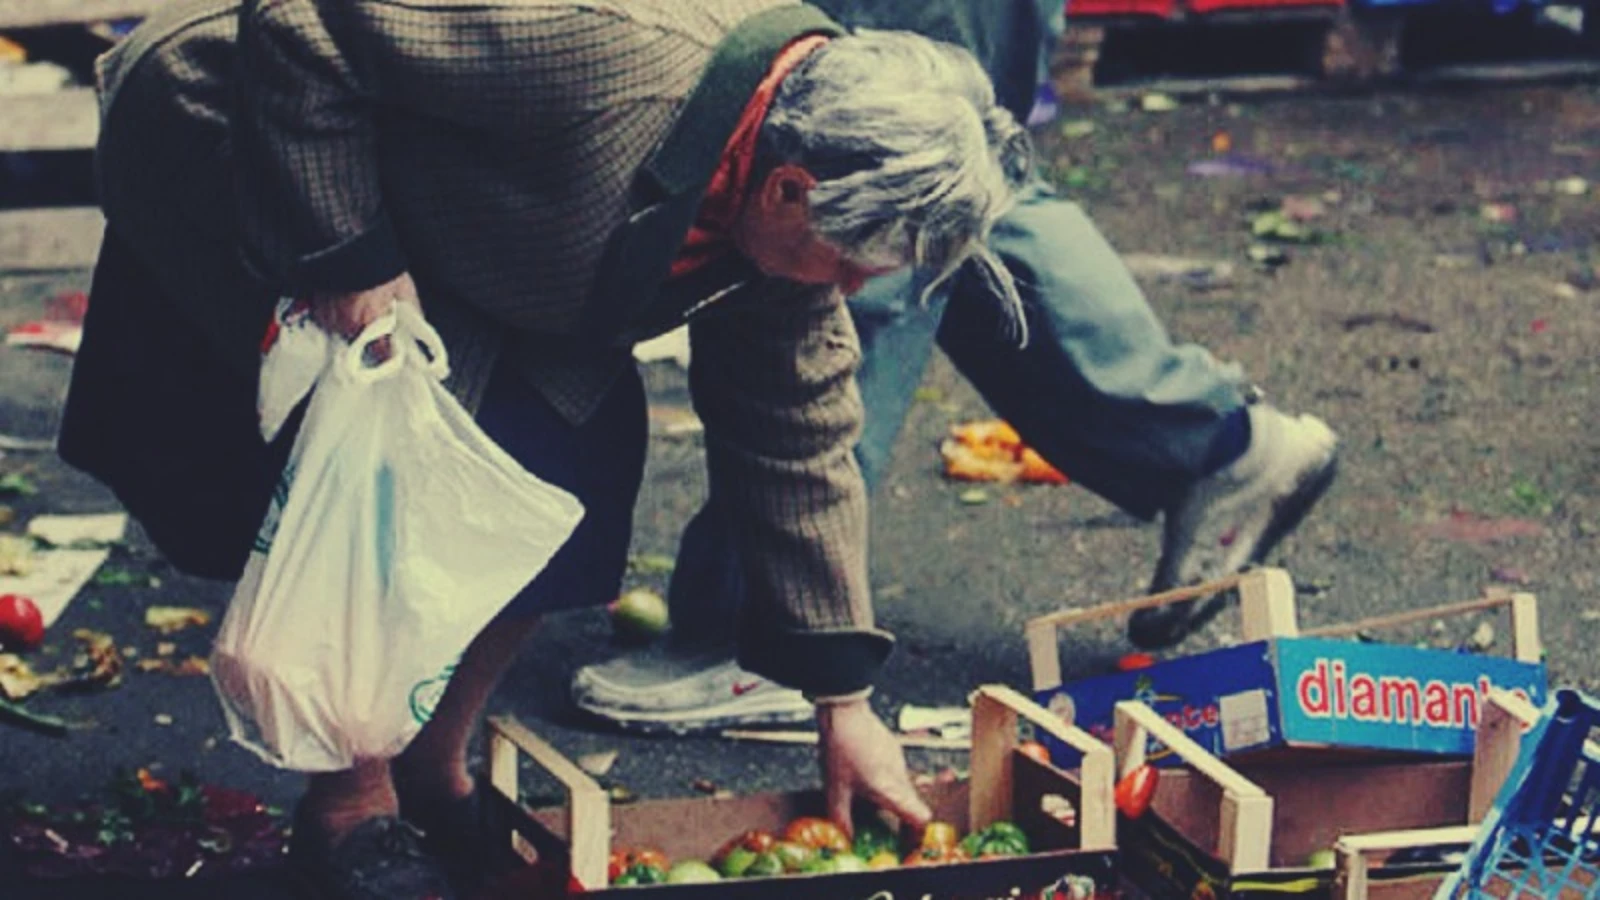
{"points": [[1102, 392]]}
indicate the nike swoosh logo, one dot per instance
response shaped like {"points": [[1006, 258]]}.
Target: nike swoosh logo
{"points": [[739, 690]]}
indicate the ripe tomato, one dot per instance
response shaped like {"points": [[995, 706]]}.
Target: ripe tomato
{"points": [[754, 841], [631, 862], [1135, 790], [21, 625], [818, 834], [1035, 750], [940, 836]]}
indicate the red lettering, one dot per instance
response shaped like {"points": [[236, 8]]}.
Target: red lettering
{"points": [[1438, 708], [1395, 693], [1364, 698], [1312, 691], [1464, 706], [1213, 716], [1338, 690]]}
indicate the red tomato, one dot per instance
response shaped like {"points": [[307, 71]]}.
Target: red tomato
{"points": [[21, 625], [818, 834], [623, 860], [754, 841], [1135, 790], [1035, 750], [1135, 661]]}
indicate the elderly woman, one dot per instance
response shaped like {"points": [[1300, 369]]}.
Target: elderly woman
{"points": [[551, 181]]}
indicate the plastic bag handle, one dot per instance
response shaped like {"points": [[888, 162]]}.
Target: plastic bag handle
{"points": [[409, 334], [416, 327]]}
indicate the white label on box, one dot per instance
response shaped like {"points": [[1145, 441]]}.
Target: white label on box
{"points": [[1244, 720]]}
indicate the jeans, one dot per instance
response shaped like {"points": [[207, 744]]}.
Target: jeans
{"points": [[1099, 389]]}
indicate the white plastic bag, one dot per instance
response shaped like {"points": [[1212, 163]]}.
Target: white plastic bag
{"points": [[398, 531]]}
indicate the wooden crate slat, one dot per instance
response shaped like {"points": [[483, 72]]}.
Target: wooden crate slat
{"points": [[41, 13], [44, 240], [59, 120]]}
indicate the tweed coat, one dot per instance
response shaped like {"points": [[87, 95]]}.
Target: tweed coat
{"points": [[534, 165]]}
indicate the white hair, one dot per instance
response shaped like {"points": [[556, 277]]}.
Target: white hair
{"points": [[913, 158]]}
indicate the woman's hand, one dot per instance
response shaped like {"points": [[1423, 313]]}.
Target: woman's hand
{"points": [[860, 755], [346, 315]]}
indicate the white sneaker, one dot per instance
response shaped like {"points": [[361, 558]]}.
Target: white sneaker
{"points": [[684, 694], [1234, 518]]}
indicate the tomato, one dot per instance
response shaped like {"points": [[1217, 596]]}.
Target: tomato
{"points": [[818, 834], [884, 859], [754, 841], [940, 835], [1035, 750], [1133, 662], [1135, 790], [21, 624], [637, 867], [936, 855]]}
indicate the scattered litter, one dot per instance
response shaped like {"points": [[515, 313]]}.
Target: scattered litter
{"points": [[1572, 187], [1199, 274], [1303, 209], [1221, 142], [1457, 260], [17, 678], [1078, 128], [14, 444], [1498, 213], [166, 648], [598, 764], [1275, 226], [34, 78], [1059, 808], [79, 532], [61, 337], [670, 347], [1230, 166], [1157, 103], [1395, 320], [17, 484], [111, 576], [1267, 259], [1539, 326], [1471, 528], [1510, 575], [188, 666], [54, 578], [1133, 662], [162, 719], [650, 564], [1482, 637], [942, 721], [46, 725], [16, 555], [704, 785], [1590, 615], [669, 420], [620, 795], [98, 663], [1438, 626], [11, 51], [974, 497], [171, 619], [1565, 290], [991, 450], [1046, 106]]}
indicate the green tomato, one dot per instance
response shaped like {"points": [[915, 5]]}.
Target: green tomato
{"points": [[873, 838], [738, 861], [641, 874], [765, 865], [692, 871], [848, 862], [795, 857]]}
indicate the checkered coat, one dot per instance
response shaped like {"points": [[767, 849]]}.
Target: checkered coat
{"points": [[534, 165]]}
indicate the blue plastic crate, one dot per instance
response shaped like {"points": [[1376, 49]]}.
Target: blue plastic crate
{"points": [[1540, 838]]}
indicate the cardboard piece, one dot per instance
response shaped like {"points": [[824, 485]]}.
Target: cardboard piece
{"points": [[574, 840], [1248, 830], [1286, 689], [1308, 692]]}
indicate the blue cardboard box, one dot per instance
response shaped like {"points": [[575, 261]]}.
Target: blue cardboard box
{"points": [[1306, 691]]}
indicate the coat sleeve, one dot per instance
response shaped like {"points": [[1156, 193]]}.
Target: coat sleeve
{"points": [[311, 207], [775, 385]]}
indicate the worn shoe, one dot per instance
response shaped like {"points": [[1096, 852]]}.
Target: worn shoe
{"points": [[1234, 518], [461, 834], [381, 859], [675, 692]]}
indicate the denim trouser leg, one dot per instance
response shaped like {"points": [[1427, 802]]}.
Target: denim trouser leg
{"points": [[1100, 389]]}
